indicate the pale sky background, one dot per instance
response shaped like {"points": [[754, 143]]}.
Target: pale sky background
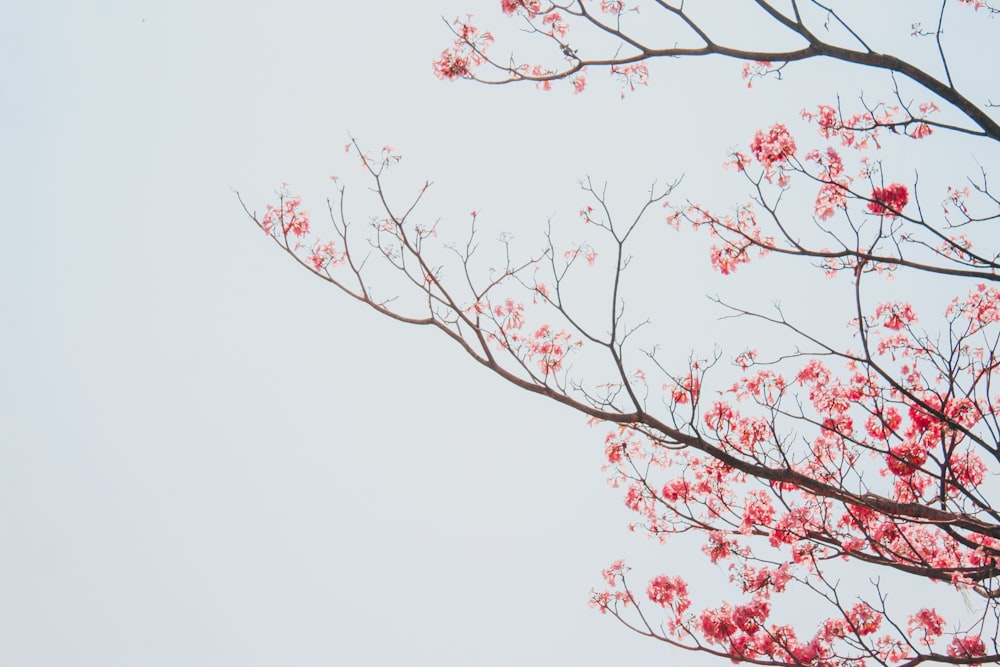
{"points": [[208, 457]]}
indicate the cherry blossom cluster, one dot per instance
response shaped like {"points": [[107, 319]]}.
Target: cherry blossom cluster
{"points": [[287, 217], [469, 50], [771, 148], [530, 7], [738, 238], [979, 4], [923, 431], [774, 152], [861, 130], [756, 70], [466, 53], [631, 75], [546, 347], [889, 201], [288, 222], [744, 630]]}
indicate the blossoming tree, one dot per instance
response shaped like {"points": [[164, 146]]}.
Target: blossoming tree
{"points": [[879, 452]]}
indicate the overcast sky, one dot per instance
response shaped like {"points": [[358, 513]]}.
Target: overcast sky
{"points": [[208, 457]]}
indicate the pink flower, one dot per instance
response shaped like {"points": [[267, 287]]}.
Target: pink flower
{"points": [[725, 259], [897, 315], [451, 66], [614, 571], [720, 417], [982, 307], [928, 622], [532, 7], [904, 459], [758, 511], [510, 314], [666, 591], [719, 546], [829, 199], [889, 201], [750, 617], [686, 389], [557, 27], [717, 624], [774, 147], [325, 255], [969, 646], [968, 469], [864, 619], [755, 69], [883, 423], [631, 75], [676, 489], [294, 220], [550, 348], [745, 359]]}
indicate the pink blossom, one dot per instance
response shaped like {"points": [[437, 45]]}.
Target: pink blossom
{"points": [[717, 624], [632, 74], [774, 147], [614, 571], [557, 27], [758, 511], [864, 620], [325, 255], [726, 258], [511, 315], [981, 307], [686, 389], [889, 201], [668, 591], [531, 7], [614, 450], [750, 617], [826, 117], [814, 372], [720, 416], [538, 72], [745, 359], [550, 347], [928, 623], [968, 469], [452, 66], [896, 315], [675, 490], [756, 69], [883, 423], [737, 162], [969, 646], [719, 546], [904, 459]]}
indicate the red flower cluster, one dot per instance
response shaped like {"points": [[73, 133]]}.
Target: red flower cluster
{"points": [[889, 201]]}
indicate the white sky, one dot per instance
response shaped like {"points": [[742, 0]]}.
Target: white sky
{"points": [[209, 458]]}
